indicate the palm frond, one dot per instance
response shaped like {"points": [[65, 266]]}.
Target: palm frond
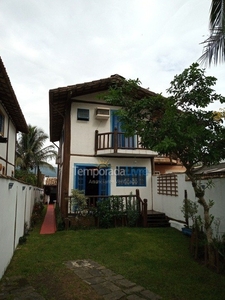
{"points": [[214, 49], [31, 151]]}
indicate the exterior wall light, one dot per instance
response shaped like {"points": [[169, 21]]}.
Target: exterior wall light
{"points": [[11, 185]]}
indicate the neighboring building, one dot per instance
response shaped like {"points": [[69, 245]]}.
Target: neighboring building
{"points": [[209, 172], [50, 188], [164, 165], [94, 154], [11, 122]]}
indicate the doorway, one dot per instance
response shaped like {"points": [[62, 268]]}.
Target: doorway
{"points": [[92, 180]]}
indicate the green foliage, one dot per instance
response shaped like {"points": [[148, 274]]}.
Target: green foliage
{"points": [[37, 213], [178, 125], [78, 200], [30, 149], [104, 213], [117, 206], [214, 50], [189, 210], [26, 176], [113, 209], [198, 223]]}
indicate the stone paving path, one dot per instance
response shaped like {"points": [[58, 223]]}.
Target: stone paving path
{"points": [[108, 284]]}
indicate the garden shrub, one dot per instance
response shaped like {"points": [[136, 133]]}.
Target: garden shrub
{"points": [[104, 213], [37, 213]]}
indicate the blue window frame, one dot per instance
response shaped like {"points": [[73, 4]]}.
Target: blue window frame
{"points": [[104, 182], [123, 142], [131, 176], [80, 178], [83, 177]]}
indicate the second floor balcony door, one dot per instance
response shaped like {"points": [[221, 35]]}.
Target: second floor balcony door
{"points": [[123, 142]]}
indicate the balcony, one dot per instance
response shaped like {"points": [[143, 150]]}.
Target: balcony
{"points": [[117, 144]]}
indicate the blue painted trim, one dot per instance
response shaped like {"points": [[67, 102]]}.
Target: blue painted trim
{"points": [[85, 166], [130, 172]]}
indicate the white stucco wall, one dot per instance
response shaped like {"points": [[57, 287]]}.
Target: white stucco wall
{"points": [[83, 132], [145, 192], [16, 205], [83, 151], [171, 205], [11, 149]]}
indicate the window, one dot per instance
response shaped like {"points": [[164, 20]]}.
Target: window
{"points": [[1, 123], [82, 114], [131, 176]]}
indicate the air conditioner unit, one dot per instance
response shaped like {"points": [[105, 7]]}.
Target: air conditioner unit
{"points": [[102, 113]]}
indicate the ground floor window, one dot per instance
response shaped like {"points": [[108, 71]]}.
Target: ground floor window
{"points": [[131, 176]]}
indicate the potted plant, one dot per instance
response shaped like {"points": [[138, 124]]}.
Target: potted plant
{"points": [[189, 210]]}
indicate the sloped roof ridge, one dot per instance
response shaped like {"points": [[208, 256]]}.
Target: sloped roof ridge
{"points": [[93, 82], [99, 83]]}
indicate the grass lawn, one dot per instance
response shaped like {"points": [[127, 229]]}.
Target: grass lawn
{"points": [[155, 258]]}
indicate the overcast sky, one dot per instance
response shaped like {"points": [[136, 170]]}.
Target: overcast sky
{"points": [[46, 44]]}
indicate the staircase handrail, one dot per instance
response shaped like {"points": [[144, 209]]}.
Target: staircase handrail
{"points": [[143, 208]]}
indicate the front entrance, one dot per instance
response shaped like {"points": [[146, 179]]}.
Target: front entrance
{"points": [[92, 180]]}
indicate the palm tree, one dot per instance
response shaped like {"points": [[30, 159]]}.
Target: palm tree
{"points": [[214, 49], [30, 150]]}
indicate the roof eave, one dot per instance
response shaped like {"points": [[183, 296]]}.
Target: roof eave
{"points": [[10, 102]]}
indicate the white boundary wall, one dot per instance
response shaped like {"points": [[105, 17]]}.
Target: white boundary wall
{"points": [[171, 205], [16, 205]]}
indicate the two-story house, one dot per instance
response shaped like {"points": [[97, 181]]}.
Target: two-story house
{"points": [[11, 121], [94, 154]]}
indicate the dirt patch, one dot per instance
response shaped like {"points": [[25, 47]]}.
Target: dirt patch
{"points": [[62, 285]]}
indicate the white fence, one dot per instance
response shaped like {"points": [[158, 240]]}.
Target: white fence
{"points": [[171, 205], [16, 205]]}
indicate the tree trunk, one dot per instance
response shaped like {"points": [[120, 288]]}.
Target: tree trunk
{"points": [[200, 193]]}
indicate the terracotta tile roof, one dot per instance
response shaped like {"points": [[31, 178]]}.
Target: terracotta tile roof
{"points": [[59, 98], [9, 101], [220, 168], [50, 181]]}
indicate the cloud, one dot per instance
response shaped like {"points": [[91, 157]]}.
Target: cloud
{"points": [[49, 44]]}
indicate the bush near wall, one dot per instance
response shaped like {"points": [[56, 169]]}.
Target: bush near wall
{"points": [[37, 213]]}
